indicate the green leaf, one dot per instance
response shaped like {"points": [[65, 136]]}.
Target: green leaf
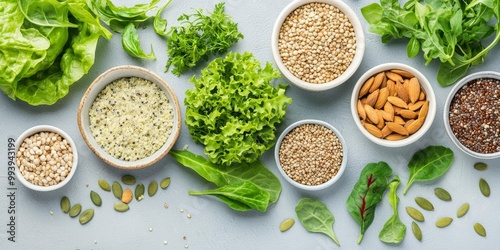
{"points": [[393, 230], [131, 43], [46, 13], [413, 47], [160, 24], [429, 164], [372, 13], [315, 217]]}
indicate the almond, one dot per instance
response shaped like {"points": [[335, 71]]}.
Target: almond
{"points": [[363, 101], [408, 114], [381, 121], [389, 109], [386, 131], [416, 106], [415, 126], [414, 89], [423, 110], [391, 85], [393, 76], [382, 98], [366, 86], [397, 128], [372, 129], [377, 81], [387, 116], [371, 99], [361, 110], [371, 114], [402, 73], [402, 92], [422, 95], [399, 120], [407, 124], [394, 137], [398, 102]]}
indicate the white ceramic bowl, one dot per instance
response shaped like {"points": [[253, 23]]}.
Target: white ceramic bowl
{"points": [[99, 84], [46, 128], [300, 185], [360, 45], [446, 112], [424, 84]]}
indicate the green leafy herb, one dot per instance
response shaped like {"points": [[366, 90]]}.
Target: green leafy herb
{"points": [[394, 230], [367, 193], [256, 173], [315, 217], [131, 43], [160, 24], [429, 164], [198, 37], [233, 109], [46, 13], [452, 32]]}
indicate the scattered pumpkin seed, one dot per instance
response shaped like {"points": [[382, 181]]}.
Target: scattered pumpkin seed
{"points": [[424, 203], [415, 214], [86, 216], [96, 198], [121, 207], [117, 190], [139, 192], [462, 210], [480, 166], [484, 187], [128, 179], [75, 210], [416, 231], [286, 224], [443, 222], [442, 194], [127, 196], [65, 204], [479, 229], [152, 188], [104, 185], [165, 183]]}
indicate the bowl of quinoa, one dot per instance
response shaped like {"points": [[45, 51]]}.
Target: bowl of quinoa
{"points": [[311, 154], [472, 115], [46, 158], [317, 44], [129, 117]]}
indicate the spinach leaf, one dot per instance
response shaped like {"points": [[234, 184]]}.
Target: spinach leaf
{"points": [[315, 217], [131, 43], [367, 193], [394, 230], [237, 194], [429, 164]]}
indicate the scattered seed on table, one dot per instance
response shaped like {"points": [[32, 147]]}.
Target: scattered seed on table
{"points": [[480, 166]]}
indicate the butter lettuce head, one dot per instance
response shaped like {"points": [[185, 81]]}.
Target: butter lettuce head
{"points": [[233, 109]]}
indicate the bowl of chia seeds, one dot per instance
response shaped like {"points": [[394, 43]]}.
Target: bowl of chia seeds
{"points": [[472, 115], [317, 44], [129, 117], [311, 154]]}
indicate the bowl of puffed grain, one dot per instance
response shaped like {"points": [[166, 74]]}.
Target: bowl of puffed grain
{"points": [[129, 117], [317, 44]]}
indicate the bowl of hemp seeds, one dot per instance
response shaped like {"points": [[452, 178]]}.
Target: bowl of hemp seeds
{"points": [[46, 158], [311, 154], [317, 44], [129, 117], [472, 115]]}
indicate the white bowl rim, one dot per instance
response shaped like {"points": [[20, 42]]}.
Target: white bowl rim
{"points": [[46, 128], [358, 57], [424, 83], [323, 185], [465, 80], [100, 83]]}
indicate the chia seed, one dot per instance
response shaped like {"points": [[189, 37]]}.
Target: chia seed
{"points": [[475, 115]]}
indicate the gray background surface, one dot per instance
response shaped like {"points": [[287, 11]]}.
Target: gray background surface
{"points": [[213, 225]]}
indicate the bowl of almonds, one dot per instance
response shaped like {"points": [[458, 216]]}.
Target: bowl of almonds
{"points": [[393, 104]]}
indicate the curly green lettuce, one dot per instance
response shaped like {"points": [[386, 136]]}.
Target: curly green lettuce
{"points": [[233, 109]]}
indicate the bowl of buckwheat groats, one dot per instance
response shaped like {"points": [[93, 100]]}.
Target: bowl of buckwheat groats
{"points": [[46, 158], [472, 115], [311, 154], [317, 44], [129, 117]]}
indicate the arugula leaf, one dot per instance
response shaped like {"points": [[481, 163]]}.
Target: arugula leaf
{"points": [[393, 230], [315, 217], [131, 43]]}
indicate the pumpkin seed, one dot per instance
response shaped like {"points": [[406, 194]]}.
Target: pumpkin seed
{"points": [[480, 166], [104, 185], [65, 204], [424, 203], [96, 198], [86, 216], [152, 188], [479, 229], [462, 210], [139, 192], [416, 231], [75, 210], [442, 194], [117, 190], [128, 179], [415, 214], [286, 224], [121, 207], [484, 187], [165, 183], [443, 222]]}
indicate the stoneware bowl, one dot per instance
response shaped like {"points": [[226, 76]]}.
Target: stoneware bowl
{"points": [[326, 184], [446, 113], [99, 84], [36, 130], [359, 52], [424, 85]]}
